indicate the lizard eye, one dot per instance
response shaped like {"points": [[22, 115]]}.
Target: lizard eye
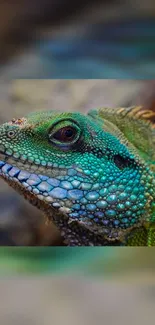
{"points": [[63, 134]]}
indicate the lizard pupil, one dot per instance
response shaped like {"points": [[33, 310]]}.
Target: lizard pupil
{"points": [[65, 134]]}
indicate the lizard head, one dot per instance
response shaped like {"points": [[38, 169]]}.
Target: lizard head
{"points": [[77, 168]]}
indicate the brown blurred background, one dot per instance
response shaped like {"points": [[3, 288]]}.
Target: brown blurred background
{"points": [[74, 300]]}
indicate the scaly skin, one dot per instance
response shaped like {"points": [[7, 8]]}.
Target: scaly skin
{"points": [[84, 174]]}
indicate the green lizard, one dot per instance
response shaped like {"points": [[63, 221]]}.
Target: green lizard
{"points": [[93, 175]]}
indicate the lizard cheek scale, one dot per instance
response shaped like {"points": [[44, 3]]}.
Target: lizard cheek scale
{"points": [[83, 175]]}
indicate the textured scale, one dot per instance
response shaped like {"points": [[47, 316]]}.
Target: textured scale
{"points": [[93, 176]]}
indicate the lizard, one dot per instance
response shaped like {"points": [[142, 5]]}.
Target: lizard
{"points": [[92, 175]]}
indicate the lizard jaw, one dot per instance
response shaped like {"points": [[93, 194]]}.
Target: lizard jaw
{"points": [[22, 182], [35, 188]]}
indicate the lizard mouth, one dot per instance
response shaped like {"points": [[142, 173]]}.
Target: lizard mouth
{"points": [[36, 187], [28, 166]]}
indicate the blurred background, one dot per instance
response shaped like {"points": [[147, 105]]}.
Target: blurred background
{"points": [[82, 39], [75, 300]]}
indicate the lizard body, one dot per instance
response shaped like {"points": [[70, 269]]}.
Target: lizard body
{"points": [[93, 175]]}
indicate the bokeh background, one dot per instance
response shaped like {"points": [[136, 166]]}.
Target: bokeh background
{"points": [[75, 300], [80, 39]]}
